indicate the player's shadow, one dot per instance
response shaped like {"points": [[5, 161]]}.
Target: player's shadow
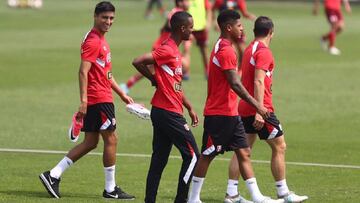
{"points": [[44, 194], [207, 200], [37, 194]]}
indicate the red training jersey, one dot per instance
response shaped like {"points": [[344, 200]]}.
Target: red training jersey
{"points": [[96, 50], [168, 76], [332, 4], [256, 56], [221, 99]]}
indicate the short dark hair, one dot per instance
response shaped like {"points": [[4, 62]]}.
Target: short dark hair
{"points": [[179, 19], [104, 6], [263, 26], [227, 17], [178, 1]]}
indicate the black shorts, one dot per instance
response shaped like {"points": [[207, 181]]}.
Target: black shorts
{"points": [[272, 127], [99, 117], [222, 133], [170, 127]]}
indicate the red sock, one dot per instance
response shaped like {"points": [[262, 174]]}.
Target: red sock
{"points": [[133, 79], [332, 36]]}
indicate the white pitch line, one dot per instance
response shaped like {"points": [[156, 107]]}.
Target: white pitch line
{"points": [[177, 157]]}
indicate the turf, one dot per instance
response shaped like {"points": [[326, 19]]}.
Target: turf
{"points": [[316, 98]]}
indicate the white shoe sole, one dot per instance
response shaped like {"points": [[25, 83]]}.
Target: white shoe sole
{"points": [[71, 138], [140, 112]]}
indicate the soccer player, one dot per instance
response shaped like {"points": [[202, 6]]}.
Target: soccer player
{"points": [[223, 129], [181, 5], [201, 12], [240, 5], [96, 107], [336, 20], [169, 125], [257, 70]]}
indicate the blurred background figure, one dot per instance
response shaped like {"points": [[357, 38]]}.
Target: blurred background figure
{"points": [[201, 13], [160, 7], [240, 5], [25, 3], [336, 20]]}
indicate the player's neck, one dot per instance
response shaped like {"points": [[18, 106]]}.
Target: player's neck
{"points": [[264, 40], [227, 37], [100, 32], [177, 39]]}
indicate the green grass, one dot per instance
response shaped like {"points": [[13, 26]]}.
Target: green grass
{"points": [[316, 97]]}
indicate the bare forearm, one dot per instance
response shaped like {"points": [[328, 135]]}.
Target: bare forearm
{"points": [[259, 89], [83, 81], [144, 70], [209, 17], [115, 87], [187, 103], [240, 90], [347, 6]]}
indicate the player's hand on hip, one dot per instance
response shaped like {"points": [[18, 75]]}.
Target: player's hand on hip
{"points": [[82, 111], [127, 99], [259, 122], [194, 118]]}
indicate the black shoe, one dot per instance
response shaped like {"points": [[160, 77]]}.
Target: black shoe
{"points": [[118, 194], [51, 184]]}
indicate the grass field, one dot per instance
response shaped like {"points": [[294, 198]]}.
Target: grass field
{"points": [[316, 97]]}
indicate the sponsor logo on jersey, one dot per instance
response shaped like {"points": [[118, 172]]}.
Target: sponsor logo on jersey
{"points": [[109, 75], [177, 87], [178, 70]]}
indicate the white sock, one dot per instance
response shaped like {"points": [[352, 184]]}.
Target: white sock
{"points": [[109, 178], [253, 188], [281, 187], [59, 169], [196, 184], [232, 187]]}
